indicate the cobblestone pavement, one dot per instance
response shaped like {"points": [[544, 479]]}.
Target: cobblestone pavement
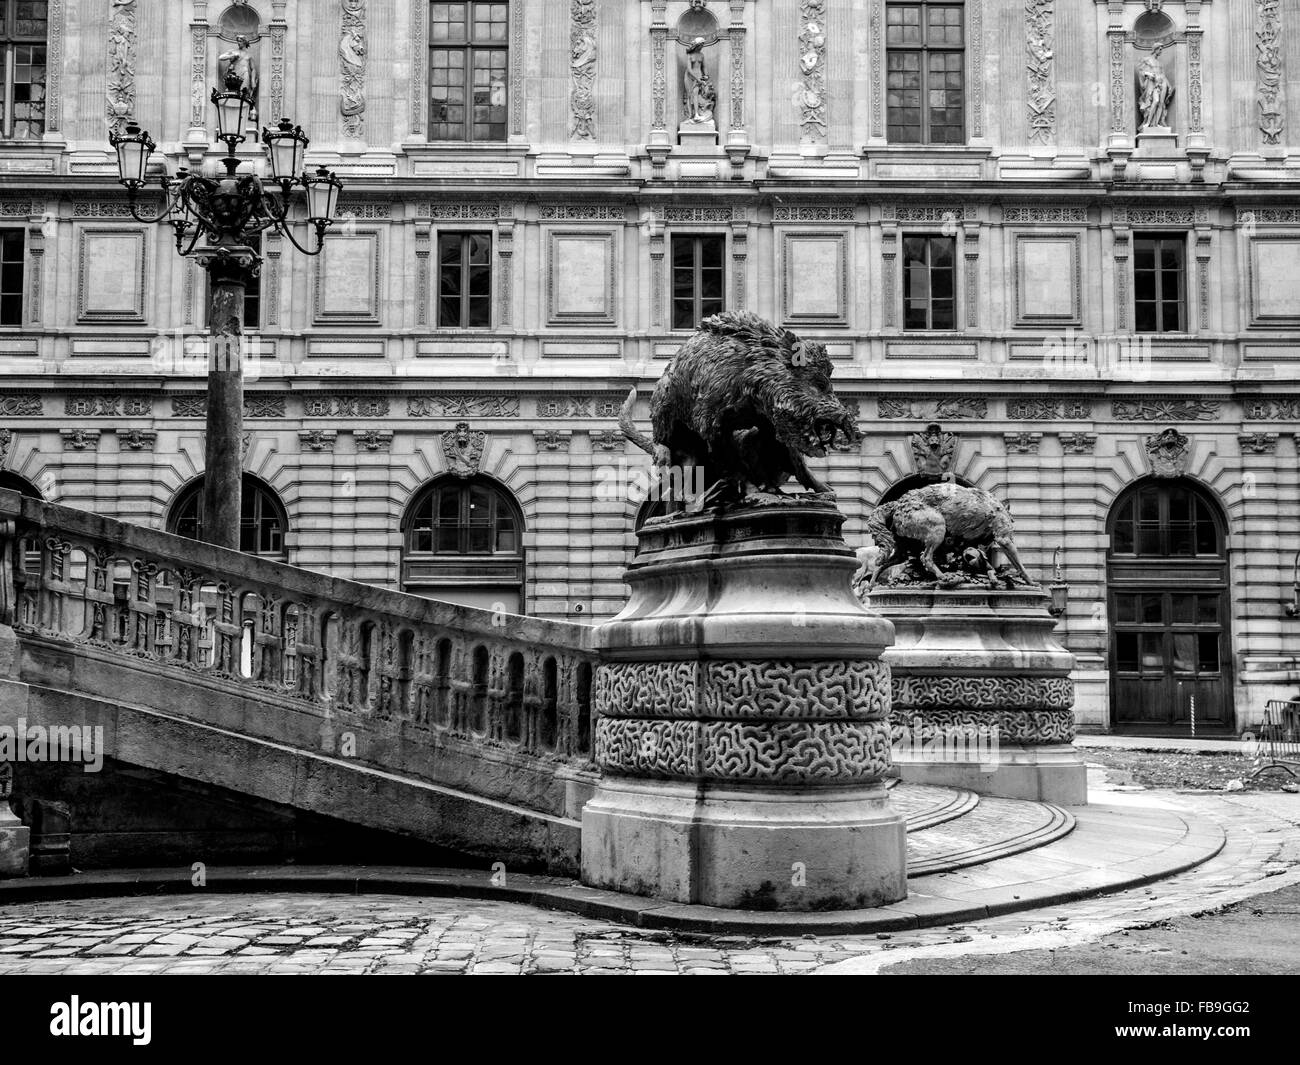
{"points": [[282, 933]]}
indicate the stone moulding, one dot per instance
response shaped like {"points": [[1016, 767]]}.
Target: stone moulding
{"points": [[767, 689], [787, 752]]}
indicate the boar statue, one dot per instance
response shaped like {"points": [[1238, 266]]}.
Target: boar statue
{"points": [[744, 401]]}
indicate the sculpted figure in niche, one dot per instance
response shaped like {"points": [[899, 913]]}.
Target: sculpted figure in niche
{"points": [[700, 97], [1154, 93], [238, 70]]}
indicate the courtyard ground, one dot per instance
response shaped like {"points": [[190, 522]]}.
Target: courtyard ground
{"points": [[1237, 913]]}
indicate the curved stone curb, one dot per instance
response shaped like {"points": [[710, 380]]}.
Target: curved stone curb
{"points": [[1135, 847], [955, 802], [1053, 823]]}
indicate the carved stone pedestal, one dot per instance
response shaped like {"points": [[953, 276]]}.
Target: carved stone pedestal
{"points": [[742, 727], [982, 695]]}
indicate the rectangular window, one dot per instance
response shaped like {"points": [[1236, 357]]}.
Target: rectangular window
{"points": [[11, 277], [1159, 284], [23, 30], [252, 292], [929, 282], [699, 279], [468, 57], [925, 76], [464, 280]]}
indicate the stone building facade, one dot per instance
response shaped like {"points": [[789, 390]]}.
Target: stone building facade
{"points": [[1066, 232]]}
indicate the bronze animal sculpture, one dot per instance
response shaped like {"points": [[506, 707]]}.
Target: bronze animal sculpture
{"points": [[745, 401], [969, 521]]}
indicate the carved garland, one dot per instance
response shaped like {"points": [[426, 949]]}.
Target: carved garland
{"points": [[1040, 41], [122, 36], [352, 68], [812, 69], [1268, 62], [582, 59]]}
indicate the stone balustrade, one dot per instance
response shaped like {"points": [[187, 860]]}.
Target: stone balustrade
{"points": [[489, 702]]}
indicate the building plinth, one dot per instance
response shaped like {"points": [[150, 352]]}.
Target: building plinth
{"points": [[742, 727], [981, 693]]}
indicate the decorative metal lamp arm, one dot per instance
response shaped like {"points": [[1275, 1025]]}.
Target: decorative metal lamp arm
{"points": [[1293, 607]]}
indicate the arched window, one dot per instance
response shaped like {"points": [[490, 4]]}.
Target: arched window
{"points": [[262, 524], [1165, 519], [463, 542]]}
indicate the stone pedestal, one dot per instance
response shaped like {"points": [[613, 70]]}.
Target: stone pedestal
{"points": [[981, 693], [699, 137], [15, 838], [742, 721], [1158, 142]]}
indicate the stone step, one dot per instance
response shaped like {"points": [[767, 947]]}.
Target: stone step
{"points": [[924, 806]]}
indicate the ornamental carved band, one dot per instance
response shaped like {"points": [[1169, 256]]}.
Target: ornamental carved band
{"points": [[785, 752], [1029, 728], [1010, 693], [771, 690]]}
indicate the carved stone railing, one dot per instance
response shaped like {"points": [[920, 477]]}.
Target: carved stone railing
{"points": [[431, 687]]}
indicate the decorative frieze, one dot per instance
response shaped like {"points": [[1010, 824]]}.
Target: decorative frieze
{"points": [[1078, 443], [15, 208], [578, 406], [462, 406], [278, 30], [54, 67], [189, 406], [1267, 216], [877, 69], [359, 406], [812, 71], [1269, 410], [198, 74], [963, 408], [1033, 214], [699, 214], [264, 406], [582, 212], [582, 66], [1046, 409], [465, 211], [1022, 443], [1040, 42], [1257, 443], [814, 212], [419, 70], [975, 17], [365, 210], [107, 405], [352, 51], [1168, 410]]}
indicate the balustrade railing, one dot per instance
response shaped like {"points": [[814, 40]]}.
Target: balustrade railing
{"points": [[336, 648]]}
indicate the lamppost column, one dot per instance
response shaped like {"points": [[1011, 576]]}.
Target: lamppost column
{"points": [[228, 271]]}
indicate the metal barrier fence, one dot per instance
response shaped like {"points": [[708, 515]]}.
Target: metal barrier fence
{"points": [[1279, 736]]}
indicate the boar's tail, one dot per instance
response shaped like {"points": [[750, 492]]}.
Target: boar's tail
{"points": [[629, 427]]}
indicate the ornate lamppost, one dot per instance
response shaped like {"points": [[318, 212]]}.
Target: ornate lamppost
{"points": [[228, 211]]}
